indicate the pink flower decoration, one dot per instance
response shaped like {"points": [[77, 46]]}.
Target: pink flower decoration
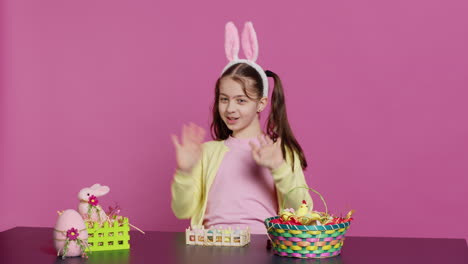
{"points": [[93, 200], [72, 233], [114, 212]]}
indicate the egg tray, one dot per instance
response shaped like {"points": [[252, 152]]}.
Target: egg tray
{"points": [[217, 237], [108, 237]]}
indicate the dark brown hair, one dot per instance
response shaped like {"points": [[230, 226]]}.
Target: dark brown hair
{"points": [[277, 125]]}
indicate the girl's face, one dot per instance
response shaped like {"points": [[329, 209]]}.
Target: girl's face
{"points": [[238, 111]]}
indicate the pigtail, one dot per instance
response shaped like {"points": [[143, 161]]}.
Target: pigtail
{"points": [[278, 124]]}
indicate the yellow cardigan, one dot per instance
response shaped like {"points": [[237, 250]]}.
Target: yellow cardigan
{"points": [[190, 190]]}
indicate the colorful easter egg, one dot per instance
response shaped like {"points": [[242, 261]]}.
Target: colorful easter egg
{"points": [[69, 233]]}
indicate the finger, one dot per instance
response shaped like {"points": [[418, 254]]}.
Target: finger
{"points": [[200, 133], [197, 136], [253, 146], [278, 141], [188, 137], [193, 133], [184, 134], [261, 140], [193, 127], [255, 154], [175, 140]]}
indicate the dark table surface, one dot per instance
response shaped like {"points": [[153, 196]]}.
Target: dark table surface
{"points": [[35, 245]]}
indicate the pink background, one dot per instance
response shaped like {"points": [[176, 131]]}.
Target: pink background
{"points": [[376, 94]]}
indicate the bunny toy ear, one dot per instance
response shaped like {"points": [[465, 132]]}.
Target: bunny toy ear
{"points": [[249, 42], [99, 190], [231, 42], [103, 190], [95, 186]]}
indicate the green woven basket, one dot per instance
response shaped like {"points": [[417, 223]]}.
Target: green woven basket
{"points": [[306, 241], [303, 241]]}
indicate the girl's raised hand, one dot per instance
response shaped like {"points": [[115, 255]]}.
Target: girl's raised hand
{"points": [[269, 153], [188, 152]]}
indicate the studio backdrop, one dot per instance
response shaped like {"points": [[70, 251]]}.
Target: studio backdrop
{"points": [[375, 92]]}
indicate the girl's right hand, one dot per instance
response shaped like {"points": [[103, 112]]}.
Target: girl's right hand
{"points": [[188, 153]]}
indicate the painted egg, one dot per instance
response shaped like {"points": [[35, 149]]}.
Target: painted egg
{"points": [[70, 225]]}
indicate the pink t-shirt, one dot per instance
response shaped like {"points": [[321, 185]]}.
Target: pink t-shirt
{"points": [[243, 193]]}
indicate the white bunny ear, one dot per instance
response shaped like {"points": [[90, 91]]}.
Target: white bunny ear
{"points": [[95, 186], [102, 190], [249, 42], [231, 42]]}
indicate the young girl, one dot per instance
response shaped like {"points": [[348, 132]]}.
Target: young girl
{"points": [[242, 177]]}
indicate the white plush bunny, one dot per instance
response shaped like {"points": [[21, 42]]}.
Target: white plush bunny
{"points": [[89, 208]]}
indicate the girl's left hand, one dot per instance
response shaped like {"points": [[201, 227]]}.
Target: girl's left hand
{"points": [[269, 153]]}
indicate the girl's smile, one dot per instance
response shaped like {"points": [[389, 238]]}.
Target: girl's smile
{"points": [[232, 120]]}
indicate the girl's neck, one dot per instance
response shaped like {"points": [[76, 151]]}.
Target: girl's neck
{"points": [[251, 131], [241, 143]]}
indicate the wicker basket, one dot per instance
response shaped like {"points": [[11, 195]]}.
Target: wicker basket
{"points": [[303, 241], [306, 241]]}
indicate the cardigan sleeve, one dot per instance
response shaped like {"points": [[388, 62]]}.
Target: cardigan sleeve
{"points": [[286, 179], [186, 189]]}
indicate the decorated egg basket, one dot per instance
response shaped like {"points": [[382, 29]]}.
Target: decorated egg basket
{"points": [[307, 241], [107, 236], [303, 241]]}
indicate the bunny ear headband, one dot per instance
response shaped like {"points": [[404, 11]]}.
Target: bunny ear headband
{"points": [[250, 47]]}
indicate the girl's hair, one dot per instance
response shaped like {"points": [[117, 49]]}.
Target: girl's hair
{"points": [[277, 125]]}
